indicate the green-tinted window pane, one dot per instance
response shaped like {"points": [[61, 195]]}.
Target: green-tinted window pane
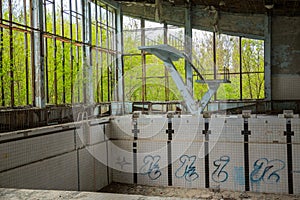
{"points": [[252, 55], [133, 78], [155, 88], [203, 52], [230, 91], [253, 86], [227, 53], [199, 90]]}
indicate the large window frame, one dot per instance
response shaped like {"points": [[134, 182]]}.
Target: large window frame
{"points": [[62, 47], [215, 69]]}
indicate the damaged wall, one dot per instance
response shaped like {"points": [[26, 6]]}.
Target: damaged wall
{"points": [[203, 17], [285, 58]]}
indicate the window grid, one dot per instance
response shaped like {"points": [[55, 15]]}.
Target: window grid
{"points": [[62, 46]]}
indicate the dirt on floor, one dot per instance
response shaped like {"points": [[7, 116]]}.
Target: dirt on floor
{"points": [[219, 194]]}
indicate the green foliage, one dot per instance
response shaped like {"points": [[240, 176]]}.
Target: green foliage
{"points": [[6, 68], [63, 60], [227, 57], [65, 66], [253, 61]]}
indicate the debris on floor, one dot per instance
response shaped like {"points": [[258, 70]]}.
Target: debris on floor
{"points": [[192, 193]]}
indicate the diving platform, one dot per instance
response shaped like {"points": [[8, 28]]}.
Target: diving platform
{"points": [[168, 54]]}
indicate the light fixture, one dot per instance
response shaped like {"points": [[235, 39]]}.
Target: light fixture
{"points": [[269, 4]]}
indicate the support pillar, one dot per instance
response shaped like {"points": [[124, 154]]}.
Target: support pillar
{"points": [[87, 54], [120, 70], [267, 56], [143, 42], [188, 48], [38, 56], [167, 91]]}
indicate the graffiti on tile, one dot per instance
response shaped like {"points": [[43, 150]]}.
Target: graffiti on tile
{"points": [[187, 168], [150, 167], [267, 171], [220, 174]]}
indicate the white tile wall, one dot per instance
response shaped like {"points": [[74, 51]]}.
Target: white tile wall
{"points": [[296, 129], [190, 155], [217, 127], [269, 174], [187, 129], [102, 177], [267, 142], [226, 165], [58, 173], [24, 151], [86, 170], [121, 127], [51, 162], [296, 168], [153, 128], [96, 134], [152, 163], [231, 131], [267, 130], [93, 168], [121, 161], [267, 147]]}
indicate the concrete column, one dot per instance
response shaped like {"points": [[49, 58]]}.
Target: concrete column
{"points": [[86, 53], [143, 43], [188, 48], [119, 47], [267, 55], [38, 55]]}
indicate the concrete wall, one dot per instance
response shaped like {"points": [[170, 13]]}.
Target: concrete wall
{"points": [[57, 157], [285, 58], [267, 153]]}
